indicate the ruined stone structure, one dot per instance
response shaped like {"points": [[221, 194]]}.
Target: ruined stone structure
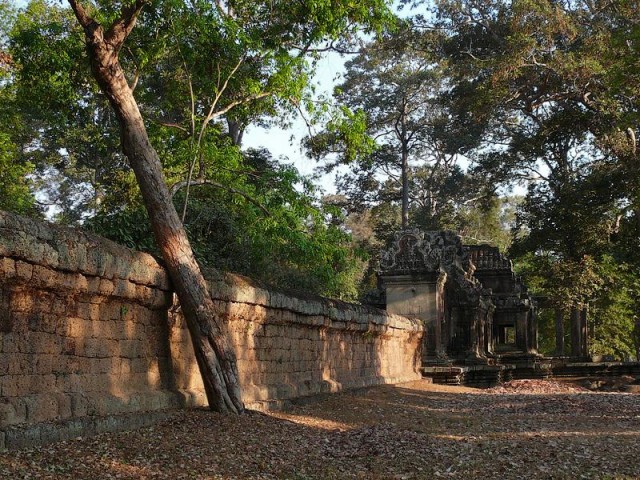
{"points": [[474, 309], [515, 326], [90, 338], [480, 324]]}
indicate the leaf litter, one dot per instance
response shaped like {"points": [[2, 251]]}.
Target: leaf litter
{"points": [[521, 429]]}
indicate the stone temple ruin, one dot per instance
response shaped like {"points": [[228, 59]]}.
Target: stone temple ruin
{"points": [[479, 320], [92, 340]]}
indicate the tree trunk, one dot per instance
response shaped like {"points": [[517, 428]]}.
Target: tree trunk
{"points": [[584, 332], [405, 188], [404, 141], [215, 356], [559, 332], [236, 131], [576, 333]]}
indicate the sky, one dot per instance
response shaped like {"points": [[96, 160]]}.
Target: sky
{"points": [[287, 142]]}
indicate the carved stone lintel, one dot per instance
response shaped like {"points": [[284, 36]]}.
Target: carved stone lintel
{"points": [[413, 251]]}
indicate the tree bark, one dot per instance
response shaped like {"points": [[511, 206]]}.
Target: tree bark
{"points": [[215, 356], [404, 167], [236, 131], [559, 332], [405, 188], [576, 333], [584, 332]]}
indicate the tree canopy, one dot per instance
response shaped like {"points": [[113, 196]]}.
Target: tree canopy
{"points": [[437, 116], [201, 72], [536, 82]]}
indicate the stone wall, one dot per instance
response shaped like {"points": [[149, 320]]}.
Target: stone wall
{"points": [[90, 337]]}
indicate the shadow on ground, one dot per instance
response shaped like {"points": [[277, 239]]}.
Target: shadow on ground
{"points": [[409, 431]]}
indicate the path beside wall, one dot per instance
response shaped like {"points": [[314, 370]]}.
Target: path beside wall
{"points": [[90, 338]]}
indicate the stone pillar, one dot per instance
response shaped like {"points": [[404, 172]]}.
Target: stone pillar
{"points": [[472, 335], [481, 338], [490, 341], [440, 313], [532, 332], [454, 342], [475, 351]]}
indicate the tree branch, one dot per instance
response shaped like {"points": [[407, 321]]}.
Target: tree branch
{"points": [[166, 123], [331, 47], [121, 28], [203, 181], [249, 98], [81, 14], [214, 104]]}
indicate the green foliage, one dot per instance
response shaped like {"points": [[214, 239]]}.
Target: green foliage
{"points": [[488, 222], [290, 247], [15, 170], [293, 246], [346, 133], [128, 227], [65, 127], [201, 71], [615, 314], [14, 184]]}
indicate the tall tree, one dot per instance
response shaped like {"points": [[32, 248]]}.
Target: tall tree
{"points": [[536, 79], [215, 355], [389, 96]]}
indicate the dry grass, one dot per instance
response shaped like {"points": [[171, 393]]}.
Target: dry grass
{"points": [[408, 431]]}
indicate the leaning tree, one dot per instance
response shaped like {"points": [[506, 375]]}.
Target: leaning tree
{"points": [[287, 22]]}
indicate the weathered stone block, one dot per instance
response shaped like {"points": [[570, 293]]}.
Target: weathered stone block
{"points": [[64, 406], [7, 269], [24, 271], [41, 408], [46, 343], [79, 404], [8, 413]]}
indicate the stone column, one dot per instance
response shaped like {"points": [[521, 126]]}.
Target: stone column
{"points": [[490, 341], [482, 351], [476, 352], [532, 333], [472, 314]]}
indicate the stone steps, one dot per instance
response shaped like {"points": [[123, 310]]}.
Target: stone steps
{"points": [[481, 376], [525, 368], [589, 369]]}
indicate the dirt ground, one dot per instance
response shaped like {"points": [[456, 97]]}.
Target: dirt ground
{"points": [[418, 430]]}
